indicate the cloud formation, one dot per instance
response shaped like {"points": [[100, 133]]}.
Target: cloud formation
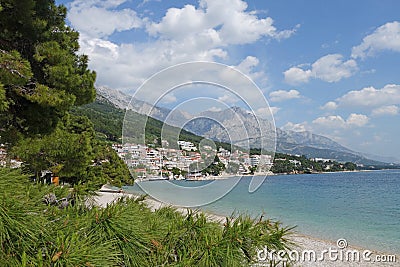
{"points": [[100, 18], [336, 121], [378, 102], [330, 68], [189, 33], [266, 112], [331, 105], [282, 95], [386, 110], [224, 22], [386, 37], [371, 97], [295, 127]]}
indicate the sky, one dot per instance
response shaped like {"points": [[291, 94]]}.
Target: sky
{"points": [[329, 67]]}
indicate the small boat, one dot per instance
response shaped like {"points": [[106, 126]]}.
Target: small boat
{"points": [[157, 178]]}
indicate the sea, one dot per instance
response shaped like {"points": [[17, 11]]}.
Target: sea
{"points": [[361, 207]]}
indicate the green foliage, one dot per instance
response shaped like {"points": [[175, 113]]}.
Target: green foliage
{"points": [[107, 167], [14, 69], [41, 78], [126, 233], [350, 166], [176, 171], [35, 234], [41, 75], [211, 166], [232, 167], [284, 163], [252, 169], [107, 119], [66, 151], [72, 152], [3, 101]]}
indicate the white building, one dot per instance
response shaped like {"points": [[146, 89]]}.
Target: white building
{"points": [[188, 146]]}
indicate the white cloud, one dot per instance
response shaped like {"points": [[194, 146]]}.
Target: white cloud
{"points": [[296, 127], [228, 99], [168, 98], [329, 68], [386, 37], [297, 75], [179, 22], [100, 19], [222, 22], [189, 33], [274, 110], [96, 46], [126, 66], [357, 120], [385, 110], [379, 102], [371, 97], [214, 109], [282, 95], [248, 67], [336, 121], [286, 33], [332, 68], [266, 112], [331, 105], [238, 26]]}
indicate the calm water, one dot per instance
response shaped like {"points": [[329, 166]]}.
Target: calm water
{"points": [[362, 207]]}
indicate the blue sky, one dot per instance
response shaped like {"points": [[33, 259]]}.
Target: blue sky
{"points": [[330, 67]]}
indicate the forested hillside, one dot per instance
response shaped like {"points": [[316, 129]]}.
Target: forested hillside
{"points": [[108, 121]]}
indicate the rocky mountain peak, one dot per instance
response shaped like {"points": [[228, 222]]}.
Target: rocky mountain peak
{"points": [[237, 125]]}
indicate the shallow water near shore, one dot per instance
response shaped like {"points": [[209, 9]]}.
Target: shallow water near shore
{"points": [[362, 207]]}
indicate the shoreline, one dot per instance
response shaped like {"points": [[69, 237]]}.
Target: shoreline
{"points": [[227, 176], [303, 243]]}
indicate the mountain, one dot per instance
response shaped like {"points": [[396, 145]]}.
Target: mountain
{"points": [[240, 127], [234, 125], [288, 142], [393, 160], [124, 101], [108, 121], [307, 138]]}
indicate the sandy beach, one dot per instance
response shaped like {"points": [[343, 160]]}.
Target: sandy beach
{"points": [[327, 253]]}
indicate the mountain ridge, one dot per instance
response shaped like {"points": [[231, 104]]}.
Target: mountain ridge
{"points": [[208, 124]]}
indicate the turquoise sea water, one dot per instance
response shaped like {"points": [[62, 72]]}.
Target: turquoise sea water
{"points": [[362, 207]]}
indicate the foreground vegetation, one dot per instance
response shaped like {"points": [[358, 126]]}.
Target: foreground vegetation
{"points": [[43, 79], [38, 231]]}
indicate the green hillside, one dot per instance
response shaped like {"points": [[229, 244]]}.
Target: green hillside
{"points": [[106, 118], [108, 123]]}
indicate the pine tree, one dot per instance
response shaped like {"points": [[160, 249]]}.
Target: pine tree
{"points": [[42, 76]]}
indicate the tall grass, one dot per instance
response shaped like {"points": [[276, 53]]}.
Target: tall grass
{"points": [[126, 233]]}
